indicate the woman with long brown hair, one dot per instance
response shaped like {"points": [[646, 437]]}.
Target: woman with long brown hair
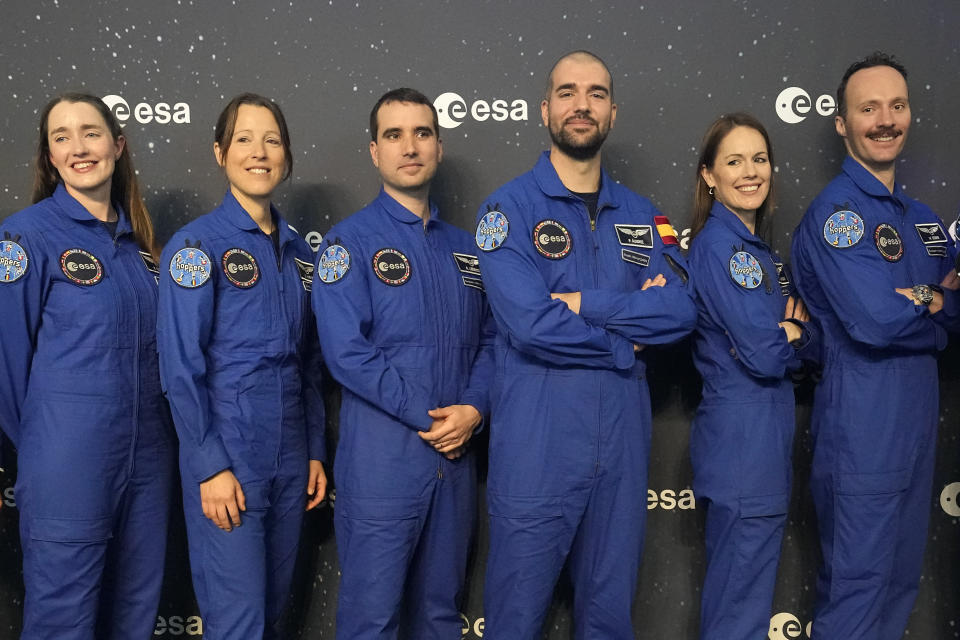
{"points": [[752, 332], [79, 384]]}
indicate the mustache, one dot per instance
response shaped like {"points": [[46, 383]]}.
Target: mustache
{"points": [[580, 115], [882, 132]]}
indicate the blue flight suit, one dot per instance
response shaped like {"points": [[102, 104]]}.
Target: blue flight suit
{"points": [[571, 418], [80, 400], [241, 369], [741, 440], [876, 409], [405, 328]]}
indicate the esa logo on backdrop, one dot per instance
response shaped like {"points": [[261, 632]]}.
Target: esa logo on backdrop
{"points": [[948, 499], [178, 626], [786, 626], [794, 105], [146, 113], [668, 500], [8, 498], [452, 110]]}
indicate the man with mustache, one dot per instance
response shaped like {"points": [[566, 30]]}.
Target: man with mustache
{"points": [[875, 269], [581, 273]]}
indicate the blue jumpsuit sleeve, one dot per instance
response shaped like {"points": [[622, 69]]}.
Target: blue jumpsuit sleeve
{"points": [[22, 304], [949, 316], [747, 318], [659, 315], [482, 370], [312, 392], [344, 313], [859, 289], [534, 323], [184, 323]]}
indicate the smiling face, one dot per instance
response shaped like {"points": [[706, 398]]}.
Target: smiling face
{"points": [[877, 117], [407, 150], [255, 161], [579, 110], [82, 149], [741, 172]]}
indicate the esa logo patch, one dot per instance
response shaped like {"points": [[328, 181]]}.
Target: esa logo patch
{"points": [[391, 266], [635, 235], [190, 267], [552, 239], [492, 230], [888, 242], [333, 264], [13, 259], [745, 270], [306, 273], [81, 267], [843, 229], [240, 268]]}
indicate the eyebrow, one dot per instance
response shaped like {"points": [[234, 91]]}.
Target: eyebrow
{"points": [[573, 85], [83, 127]]}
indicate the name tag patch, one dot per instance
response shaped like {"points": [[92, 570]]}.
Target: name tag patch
{"points": [[150, 264], [843, 229], [783, 278], [473, 283], [306, 273], [933, 238], [467, 264], [641, 259], [635, 235], [81, 267]]}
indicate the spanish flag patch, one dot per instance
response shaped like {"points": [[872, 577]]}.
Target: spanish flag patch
{"points": [[667, 233]]}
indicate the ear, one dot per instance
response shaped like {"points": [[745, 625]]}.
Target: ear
{"points": [[841, 126], [217, 154], [439, 150], [374, 155], [613, 114], [707, 176], [118, 146], [545, 113]]}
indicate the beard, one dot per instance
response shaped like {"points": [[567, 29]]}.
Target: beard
{"points": [[579, 148]]}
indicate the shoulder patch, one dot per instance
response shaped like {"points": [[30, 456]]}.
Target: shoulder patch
{"points": [[190, 267], [843, 229], [492, 230], [667, 233], [240, 268], [783, 278], [635, 235], [888, 242], [306, 273], [391, 266], [13, 260], [81, 267], [552, 239], [333, 264], [745, 270]]}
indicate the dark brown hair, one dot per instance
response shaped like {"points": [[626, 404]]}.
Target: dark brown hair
{"points": [[403, 94], [875, 59], [702, 199], [227, 122], [124, 187]]}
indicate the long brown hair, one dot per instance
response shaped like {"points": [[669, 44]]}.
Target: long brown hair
{"points": [[124, 187], [702, 199], [227, 122]]}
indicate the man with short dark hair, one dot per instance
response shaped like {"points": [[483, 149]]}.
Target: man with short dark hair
{"points": [[875, 269], [581, 274], [405, 328]]}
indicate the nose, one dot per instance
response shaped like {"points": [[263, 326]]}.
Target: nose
{"points": [[78, 145], [258, 149], [886, 116], [580, 102], [749, 168], [407, 146]]}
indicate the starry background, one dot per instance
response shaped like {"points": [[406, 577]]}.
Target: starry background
{"points": [[676, 66]]}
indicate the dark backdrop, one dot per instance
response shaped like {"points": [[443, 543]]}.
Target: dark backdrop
{"points": [[168, 68]]}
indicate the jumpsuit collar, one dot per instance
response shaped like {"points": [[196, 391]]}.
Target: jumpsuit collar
{"points": [[867, 182], [400, 213], [550, 183], [72, 207], [729, 219], [238, 217]]}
